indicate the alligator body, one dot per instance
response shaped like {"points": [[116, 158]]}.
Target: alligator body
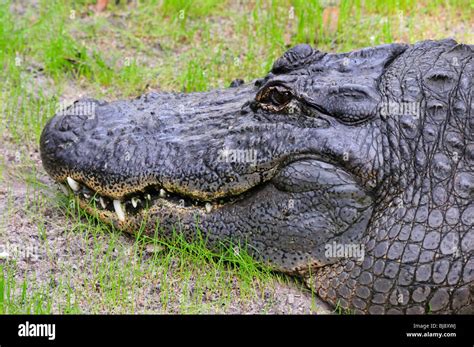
{"points": [[354, 171]]}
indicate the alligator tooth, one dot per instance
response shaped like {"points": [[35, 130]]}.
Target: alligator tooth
{"points": [[135, 202], [102, 202], [208, 207], [73, 184], [64, 188], [120, 210], [148, 197], [87, 196], [163, 193]]}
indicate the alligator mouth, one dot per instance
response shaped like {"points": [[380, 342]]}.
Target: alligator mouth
{"points": [[136, 203]]}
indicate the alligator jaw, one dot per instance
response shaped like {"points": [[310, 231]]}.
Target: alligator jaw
{"points": [[129, 212]]}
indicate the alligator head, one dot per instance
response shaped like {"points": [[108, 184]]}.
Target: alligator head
{"points": [[353, 170]]}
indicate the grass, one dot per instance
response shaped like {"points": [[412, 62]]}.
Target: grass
{"points": [[51, 51], [182, 277]]}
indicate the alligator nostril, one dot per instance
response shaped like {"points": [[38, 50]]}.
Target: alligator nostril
{"points": [[76, 123], [81, 115]]}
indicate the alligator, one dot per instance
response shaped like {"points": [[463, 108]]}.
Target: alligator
{"points": [[353, 171]]}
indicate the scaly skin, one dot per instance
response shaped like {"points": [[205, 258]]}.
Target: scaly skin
{"points": [[371, 149]]}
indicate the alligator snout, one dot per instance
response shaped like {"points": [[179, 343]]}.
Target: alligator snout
{"points": [[169, 141]]}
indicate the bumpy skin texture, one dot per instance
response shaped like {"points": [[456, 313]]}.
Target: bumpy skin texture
{"points": [[372, 148]]}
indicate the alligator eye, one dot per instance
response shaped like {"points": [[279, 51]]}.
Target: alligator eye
{"points": [[276, 96], [280, 98]]}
